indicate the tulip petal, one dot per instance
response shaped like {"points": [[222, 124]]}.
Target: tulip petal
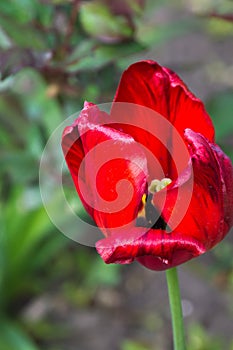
{"points": [[208, 217], [154, 133], [156, 249], [108, 167], [148, 84], [74, 154]]}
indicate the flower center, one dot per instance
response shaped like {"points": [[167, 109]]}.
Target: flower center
{"points": [[148, 215], [158, 185]]}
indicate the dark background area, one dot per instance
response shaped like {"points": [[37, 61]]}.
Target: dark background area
{"points": [[54, 293]]}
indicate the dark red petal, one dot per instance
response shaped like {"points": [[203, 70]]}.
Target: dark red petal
{"points": [[155, 133], [74, 154], [148, 84], [209, 215], [156, 249], [226, 173], [108, 168]]}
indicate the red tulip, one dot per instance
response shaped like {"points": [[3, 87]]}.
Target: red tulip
{"points": [[150, 173]]}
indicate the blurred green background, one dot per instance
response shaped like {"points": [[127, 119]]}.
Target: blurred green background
{"points": [[54, 293]]}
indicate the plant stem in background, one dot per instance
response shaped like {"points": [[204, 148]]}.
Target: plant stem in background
{"points": [[176, 309]]}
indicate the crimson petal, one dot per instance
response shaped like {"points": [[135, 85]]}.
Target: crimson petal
{"points": [[208, 216], [148, 84], [156, 249], [108, 167]]}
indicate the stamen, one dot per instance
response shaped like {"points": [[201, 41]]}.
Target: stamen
{"points": [[144, 199], [158, 185], [148, 215]]}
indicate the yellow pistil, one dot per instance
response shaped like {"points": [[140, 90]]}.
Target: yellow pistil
{"points": [[158, 185]]}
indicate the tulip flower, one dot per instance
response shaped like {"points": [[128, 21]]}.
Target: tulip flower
{"points": [[151, 176], [102, 151]]}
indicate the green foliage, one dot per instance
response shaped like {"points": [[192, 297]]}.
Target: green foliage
{"points": [[28, 116], [21, 35], [101, 55], [12, 337], [220, 27], [199, 340], [220, 108], [32, 91], [133, 345], [27, 245], [102, 274], [152, 33], [223, 254], [16, 9], [98, 21]]}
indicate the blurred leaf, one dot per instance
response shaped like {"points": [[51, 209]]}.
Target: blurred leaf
{"points": [[101, 56], [54, 245], [12, 121], [91, 92], [96, 60], [83, 49], [12, 337], [16, 10], [20, 166], [209, 6], [219, 26], [220, 108], [28, 243], [34, 141], [223, 253], [99, 22], [22, 35], [31, 89], [156, 33], [6, 83], [5, 42], [103, 274], [47, 330], [198, 339], [133, 345], [44, 14]]}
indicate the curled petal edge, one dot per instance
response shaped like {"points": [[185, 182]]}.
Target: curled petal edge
{"points": [[155, 249]]}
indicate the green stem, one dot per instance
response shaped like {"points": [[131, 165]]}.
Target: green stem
{"points": [[176, 309]]}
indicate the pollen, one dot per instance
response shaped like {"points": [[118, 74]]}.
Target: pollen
{"points": [[142, 212], [148, 215], [158, 185], [144, 199]]}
